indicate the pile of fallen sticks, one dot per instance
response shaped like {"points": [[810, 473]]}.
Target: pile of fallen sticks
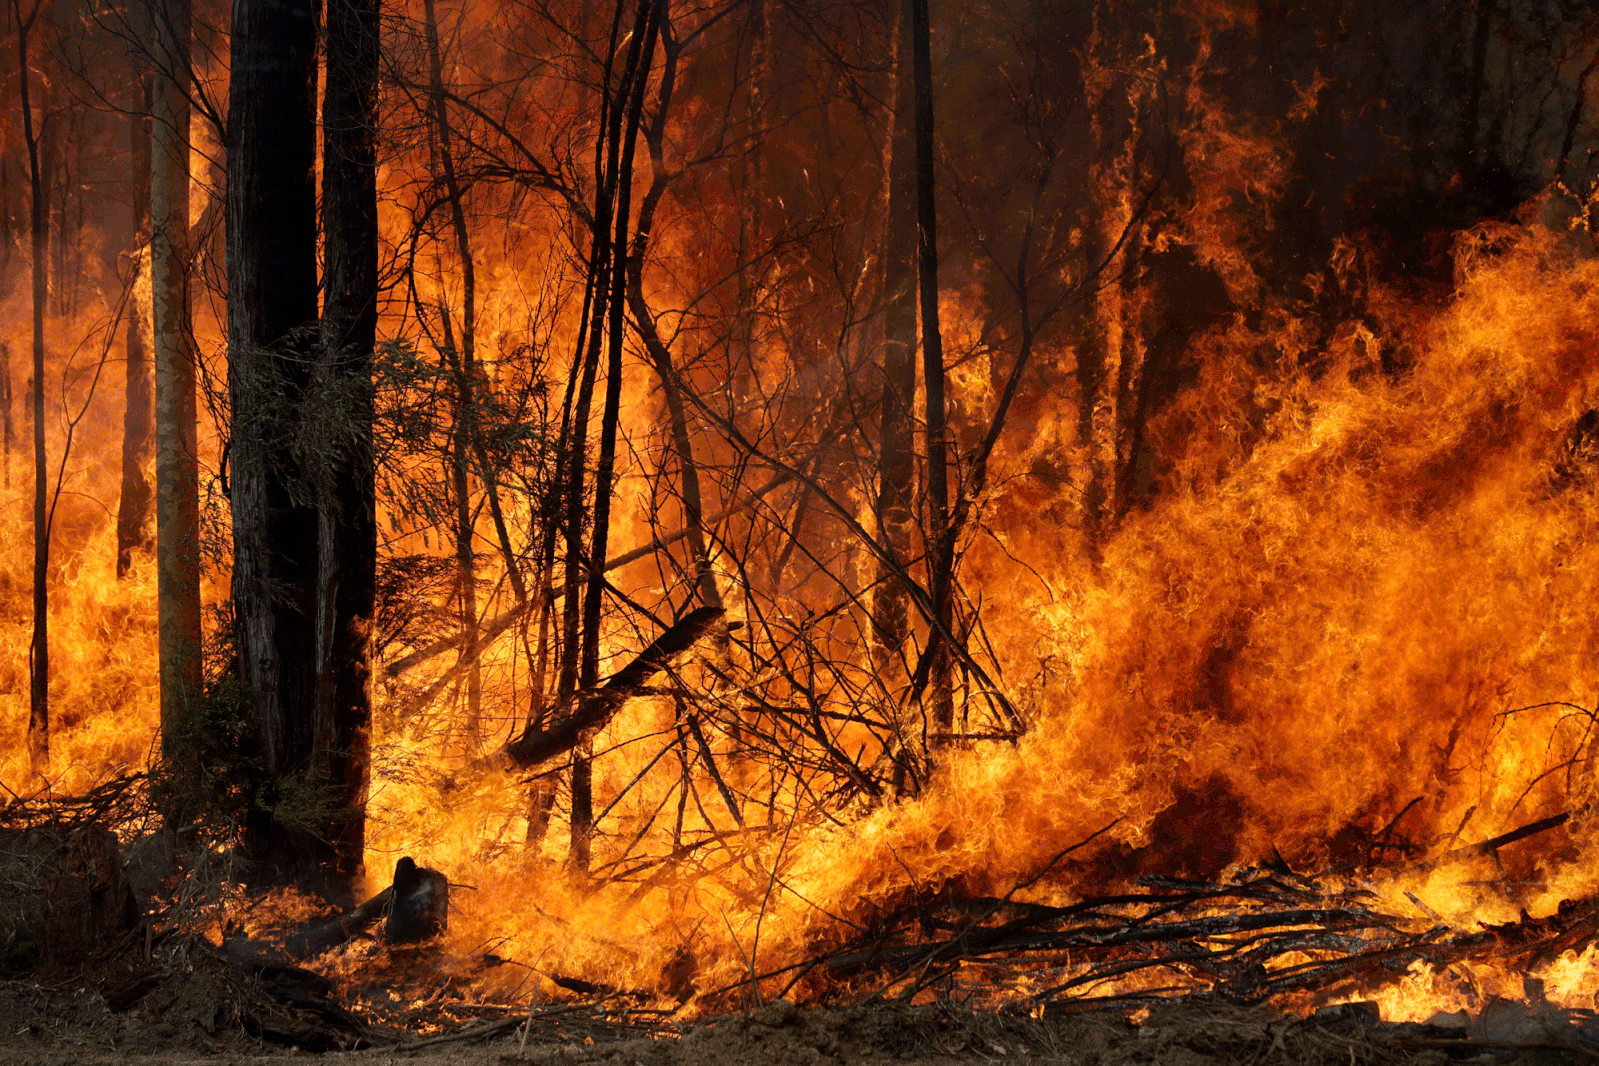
{"points": [[1266, 934], [115, 803]]}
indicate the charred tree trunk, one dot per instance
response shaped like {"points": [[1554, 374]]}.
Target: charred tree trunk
{"points": [[177, 461], [1471, 157], [704, 575], [272, 318], [6, 238], [134, 532], [6, 410], [940, 546], [896, 459], [347, 566], [39, 648], [1115, 397], [608, 287]]}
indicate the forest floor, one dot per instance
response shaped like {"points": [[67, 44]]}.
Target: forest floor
{"points": [[197, 1022]]}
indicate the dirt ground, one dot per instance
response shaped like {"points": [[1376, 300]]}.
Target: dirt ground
{"points": [[195, 1022]]}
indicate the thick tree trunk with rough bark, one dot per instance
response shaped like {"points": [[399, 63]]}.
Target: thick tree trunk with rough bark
{"points": [[177, 466], [348, 533], [272, 329]]}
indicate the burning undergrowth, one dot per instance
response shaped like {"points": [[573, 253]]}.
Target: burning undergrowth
{"points": [[1357, 650], [1361, 646], [1272, 599]]}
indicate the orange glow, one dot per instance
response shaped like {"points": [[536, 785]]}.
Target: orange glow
{"points": [[1347, 622]]}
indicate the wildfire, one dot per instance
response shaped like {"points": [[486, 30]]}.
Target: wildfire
{"points": [[1261, 574]]}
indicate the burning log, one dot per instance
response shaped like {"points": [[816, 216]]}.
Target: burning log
{"points": [[310, 943], [537, 745], [1488, 847], [413, 908]]}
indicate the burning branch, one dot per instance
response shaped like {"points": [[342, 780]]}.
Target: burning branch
{"points": [[537, 745]]}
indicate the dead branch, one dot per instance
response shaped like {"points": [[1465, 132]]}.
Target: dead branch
{"points": [[537, 745]]}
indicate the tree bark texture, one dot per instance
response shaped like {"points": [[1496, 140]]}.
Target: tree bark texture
{"points": [[177, 461], [347, 569], [272, 319]]}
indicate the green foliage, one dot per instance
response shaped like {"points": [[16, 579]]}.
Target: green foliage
{"points": [[206, 767], [210, 780], [418, 416]]}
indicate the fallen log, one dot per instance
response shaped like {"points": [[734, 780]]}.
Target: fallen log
{"points": [[1488, 847], [314, 941], [414, 907]]}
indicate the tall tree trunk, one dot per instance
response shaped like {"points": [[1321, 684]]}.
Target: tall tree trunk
{"points": [[6, 414], [940, 546], [677, 414], [7, 408], [39, 648], [1114, 394], [272, 313], [347, 570], [134, 532], [53, 154], [177, 466], [627, 105], [896, 457]]}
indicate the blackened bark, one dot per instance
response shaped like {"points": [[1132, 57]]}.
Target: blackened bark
{"points": [[39, 649], [272, 313], [940, 546], [347, 569], [896, 459], [134, 530], [647, 29], [575, 429]]}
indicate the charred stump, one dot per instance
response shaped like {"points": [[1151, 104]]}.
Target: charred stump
{"points": [[65, 896], [419, 904]]}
